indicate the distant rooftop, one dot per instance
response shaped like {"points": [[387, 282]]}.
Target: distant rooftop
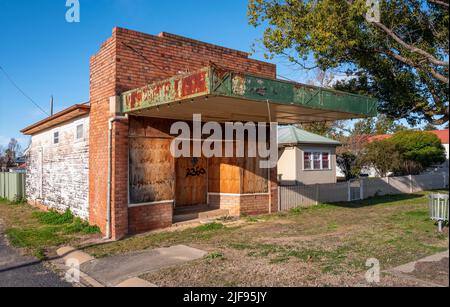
{"points": [[289, 135]]}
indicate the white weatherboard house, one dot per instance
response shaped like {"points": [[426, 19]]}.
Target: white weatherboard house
{"points": [[306, 158], [58, 161]]}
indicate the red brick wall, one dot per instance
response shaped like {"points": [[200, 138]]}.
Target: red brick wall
{"points": [[102, 86], [130, 60], [144, 58], [151, 217]]}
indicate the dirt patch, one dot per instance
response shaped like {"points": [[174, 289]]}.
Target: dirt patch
{"points": [[237, 269], [436, 272], [326, 245]]}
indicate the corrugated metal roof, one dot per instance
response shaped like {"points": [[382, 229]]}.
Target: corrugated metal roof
{"points": [[294, 135]]}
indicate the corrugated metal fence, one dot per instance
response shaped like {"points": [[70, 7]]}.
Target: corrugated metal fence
{"points": [[292, 196], [12, 186]]}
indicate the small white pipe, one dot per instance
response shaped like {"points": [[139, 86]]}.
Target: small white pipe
{"points": [[108, 205]]}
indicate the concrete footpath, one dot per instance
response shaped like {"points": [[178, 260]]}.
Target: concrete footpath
{"points": [[432, 271], [123, 270]]}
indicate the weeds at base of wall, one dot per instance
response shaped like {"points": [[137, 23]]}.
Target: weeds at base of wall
{"points": [[38, 232]]}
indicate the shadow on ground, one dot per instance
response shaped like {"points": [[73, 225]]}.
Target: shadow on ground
{"points": [[379, 200]]}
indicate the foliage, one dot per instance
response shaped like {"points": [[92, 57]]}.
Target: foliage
{"points": [[406, 152], [382, 156], [210, 227], [53, 217], [375, 126], [37, 231], [9, 154], [401, 59], [331, 129], [349, 163], [430, 127], [418, 150]]}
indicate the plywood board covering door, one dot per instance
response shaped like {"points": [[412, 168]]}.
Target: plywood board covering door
{"points": [[151, 170], [191, 182]]}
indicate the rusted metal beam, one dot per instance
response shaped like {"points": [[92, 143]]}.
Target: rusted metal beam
{"points": [[214, 81], [178, 88]]}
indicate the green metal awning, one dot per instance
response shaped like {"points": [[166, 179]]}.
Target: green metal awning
{"points": [[222, 95]]}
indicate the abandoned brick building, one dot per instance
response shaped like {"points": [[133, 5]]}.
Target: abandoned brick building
{"points": [[109, 160]]}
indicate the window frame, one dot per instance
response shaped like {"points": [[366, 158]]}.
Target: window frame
{"points": [[312, 154], [82, 132], [56, 137]]}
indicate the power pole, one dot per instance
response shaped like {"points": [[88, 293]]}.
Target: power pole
{"points": [[51, 106]]}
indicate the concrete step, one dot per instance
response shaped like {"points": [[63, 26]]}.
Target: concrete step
{"points": [[217, 213], [202, 215]]}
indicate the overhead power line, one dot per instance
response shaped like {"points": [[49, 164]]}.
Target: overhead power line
{"points": [[22, 92]]}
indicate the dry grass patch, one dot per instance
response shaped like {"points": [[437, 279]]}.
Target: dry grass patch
{"points": [[322, 245]]}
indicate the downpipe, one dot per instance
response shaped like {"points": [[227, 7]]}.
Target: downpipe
{"points": [[108, 204]]}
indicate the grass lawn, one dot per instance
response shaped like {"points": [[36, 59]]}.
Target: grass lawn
{"points": [[40, 233], [319, 246]]}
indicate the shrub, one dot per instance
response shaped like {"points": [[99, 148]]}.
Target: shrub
{"points": [[418, 150], [54, 218], [349, 163]]}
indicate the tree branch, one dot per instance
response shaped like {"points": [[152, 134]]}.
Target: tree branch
{"points": [[439, 3], [409, 47], [400, 58]]}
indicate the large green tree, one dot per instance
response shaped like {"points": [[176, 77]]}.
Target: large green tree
{"points": [[400, 58], [418, 149]]}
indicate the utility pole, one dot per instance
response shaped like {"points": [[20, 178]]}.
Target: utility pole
{"points": [[51, 106]]}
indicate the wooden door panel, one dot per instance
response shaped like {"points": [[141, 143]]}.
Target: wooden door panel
{"points": [[191, 181]]}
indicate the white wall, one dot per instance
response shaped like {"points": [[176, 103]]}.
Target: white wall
{"points": [[287, 163], [58, 174]]}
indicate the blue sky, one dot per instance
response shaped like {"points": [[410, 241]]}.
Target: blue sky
{"points": [[47, 56]]}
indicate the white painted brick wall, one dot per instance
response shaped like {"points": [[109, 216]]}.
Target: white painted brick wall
{"points": [[64, 168]]}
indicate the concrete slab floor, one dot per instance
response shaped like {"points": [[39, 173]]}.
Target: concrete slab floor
{"points": [[112, 271]]}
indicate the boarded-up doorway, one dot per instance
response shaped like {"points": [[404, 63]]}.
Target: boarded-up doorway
{"points": [[191, 182]]}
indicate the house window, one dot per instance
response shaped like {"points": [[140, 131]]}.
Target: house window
{"points": [[56, 137], [325, 160], [80, 132], [307, 160], [316, 160]]}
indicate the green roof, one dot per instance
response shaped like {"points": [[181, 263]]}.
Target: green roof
{"points": [[288, 135]]}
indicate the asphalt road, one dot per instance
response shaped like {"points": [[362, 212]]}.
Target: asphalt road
{"points": [[20, 271]]}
